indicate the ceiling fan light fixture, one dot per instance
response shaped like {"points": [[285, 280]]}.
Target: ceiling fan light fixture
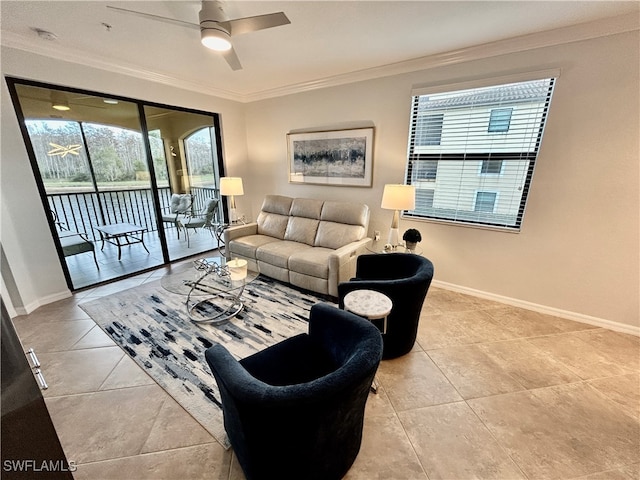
{"points": [[215, 37]]}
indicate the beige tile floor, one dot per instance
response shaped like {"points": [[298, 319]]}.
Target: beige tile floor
{"points": [[488, 392]]}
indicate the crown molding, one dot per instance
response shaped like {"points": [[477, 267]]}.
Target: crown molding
{"points": [[547, 38], [574, 33], [11, 40]]}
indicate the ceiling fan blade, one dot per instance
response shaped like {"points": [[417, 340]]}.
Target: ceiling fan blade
{"points": [[259, 22], [158, 18], [232, 59]]}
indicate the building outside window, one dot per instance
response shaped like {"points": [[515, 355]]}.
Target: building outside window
{"points": [[491, 167], [499, 120], [471, 175], [485, 202]]}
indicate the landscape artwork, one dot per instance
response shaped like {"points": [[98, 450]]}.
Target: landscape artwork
{"points": [[339, 157]]}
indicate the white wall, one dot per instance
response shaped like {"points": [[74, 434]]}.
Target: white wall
{"points": [[578, 251], [26, 238]]}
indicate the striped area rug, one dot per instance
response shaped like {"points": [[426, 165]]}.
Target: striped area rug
{"points": [[151, 325]]}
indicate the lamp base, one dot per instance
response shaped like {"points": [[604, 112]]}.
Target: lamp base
{"points": [[394, 236], [233, 215]]}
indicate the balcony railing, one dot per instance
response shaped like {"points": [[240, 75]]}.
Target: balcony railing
{"points": [[82, 211]]}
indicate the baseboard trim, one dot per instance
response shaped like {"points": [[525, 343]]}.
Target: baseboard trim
{"points": [[569, 315], [31, 307]]}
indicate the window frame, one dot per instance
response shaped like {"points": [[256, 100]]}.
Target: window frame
{"points": [[508, 222]]}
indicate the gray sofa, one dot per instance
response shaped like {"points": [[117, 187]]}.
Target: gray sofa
{"points": [[312, 244]]}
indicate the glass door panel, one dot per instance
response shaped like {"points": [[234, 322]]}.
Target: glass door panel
{"points": [[187, 165], [92, 163]]}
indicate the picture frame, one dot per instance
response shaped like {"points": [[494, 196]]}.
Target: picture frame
{"points": [[333, 157]]}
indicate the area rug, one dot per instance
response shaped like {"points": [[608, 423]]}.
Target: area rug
{"points": [[151, 325]]}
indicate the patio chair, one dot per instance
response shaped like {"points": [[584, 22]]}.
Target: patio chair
{"points": [[203, 220], [180, 205], [72, 242]]}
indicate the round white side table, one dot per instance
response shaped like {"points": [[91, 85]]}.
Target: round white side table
{"points": [[369, 304]]}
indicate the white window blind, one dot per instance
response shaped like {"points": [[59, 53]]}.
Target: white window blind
{"points": [[476, 140]]}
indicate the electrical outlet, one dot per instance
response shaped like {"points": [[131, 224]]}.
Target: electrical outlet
{"points": [[376, 235]]}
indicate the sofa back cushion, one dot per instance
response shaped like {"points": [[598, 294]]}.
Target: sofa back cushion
{"points": [[274, 216], [341, 223], [303, 221]]}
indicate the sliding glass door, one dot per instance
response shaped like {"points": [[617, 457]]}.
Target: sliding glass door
{"points": [[186, 154], [108, 169]]}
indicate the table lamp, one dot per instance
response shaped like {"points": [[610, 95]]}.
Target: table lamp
{"points": [[230, 187], [396, 198]]}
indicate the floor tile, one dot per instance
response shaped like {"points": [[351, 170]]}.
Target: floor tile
{"points": [[78, 371], [115, 423], [561, 432], [628, 472], [527, 364], [93, 339], [414, 381], [440, 300], [460, 328], [527, 323], [175, 428], [236, 472], [624, 390], [53, 337], [208, 461], [583, 358], [452, 443], [378, 403], [385, 453], [473, 372], [616, 347], [126, 373]]}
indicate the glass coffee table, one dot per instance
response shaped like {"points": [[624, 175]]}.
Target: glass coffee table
{"points": [[213, 287]]}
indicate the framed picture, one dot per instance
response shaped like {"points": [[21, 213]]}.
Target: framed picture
{"points": [[338, 157]]}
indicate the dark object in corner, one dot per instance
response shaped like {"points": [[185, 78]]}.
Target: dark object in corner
{"points": [[30, 445]]}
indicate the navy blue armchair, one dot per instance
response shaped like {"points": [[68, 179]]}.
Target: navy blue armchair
{"points": [[404, 278], [295, 410]]}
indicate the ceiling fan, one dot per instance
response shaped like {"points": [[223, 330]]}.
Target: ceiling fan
{"points": [[216, 30]]}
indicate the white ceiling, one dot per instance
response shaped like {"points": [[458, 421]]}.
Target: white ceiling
{"points": [[326, 40]]}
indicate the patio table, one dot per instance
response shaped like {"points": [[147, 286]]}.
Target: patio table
{"points": [[120, 234]]}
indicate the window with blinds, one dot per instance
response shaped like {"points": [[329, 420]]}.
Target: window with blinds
{"points": [[472, 152]]}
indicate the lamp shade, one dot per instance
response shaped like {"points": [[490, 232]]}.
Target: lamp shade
{"points": [[231, 186], [399, 197]]}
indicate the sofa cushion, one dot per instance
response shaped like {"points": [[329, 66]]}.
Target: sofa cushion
{"points": [[336, 235], [274, 216], [313, 262], [306, 207], [303, 230], [272, 224], [278, 253], [346, 212], [247, 246], [277, 204]]}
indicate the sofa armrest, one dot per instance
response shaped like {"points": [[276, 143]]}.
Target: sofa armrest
{"points": [[342, 263], [237, 231]]}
